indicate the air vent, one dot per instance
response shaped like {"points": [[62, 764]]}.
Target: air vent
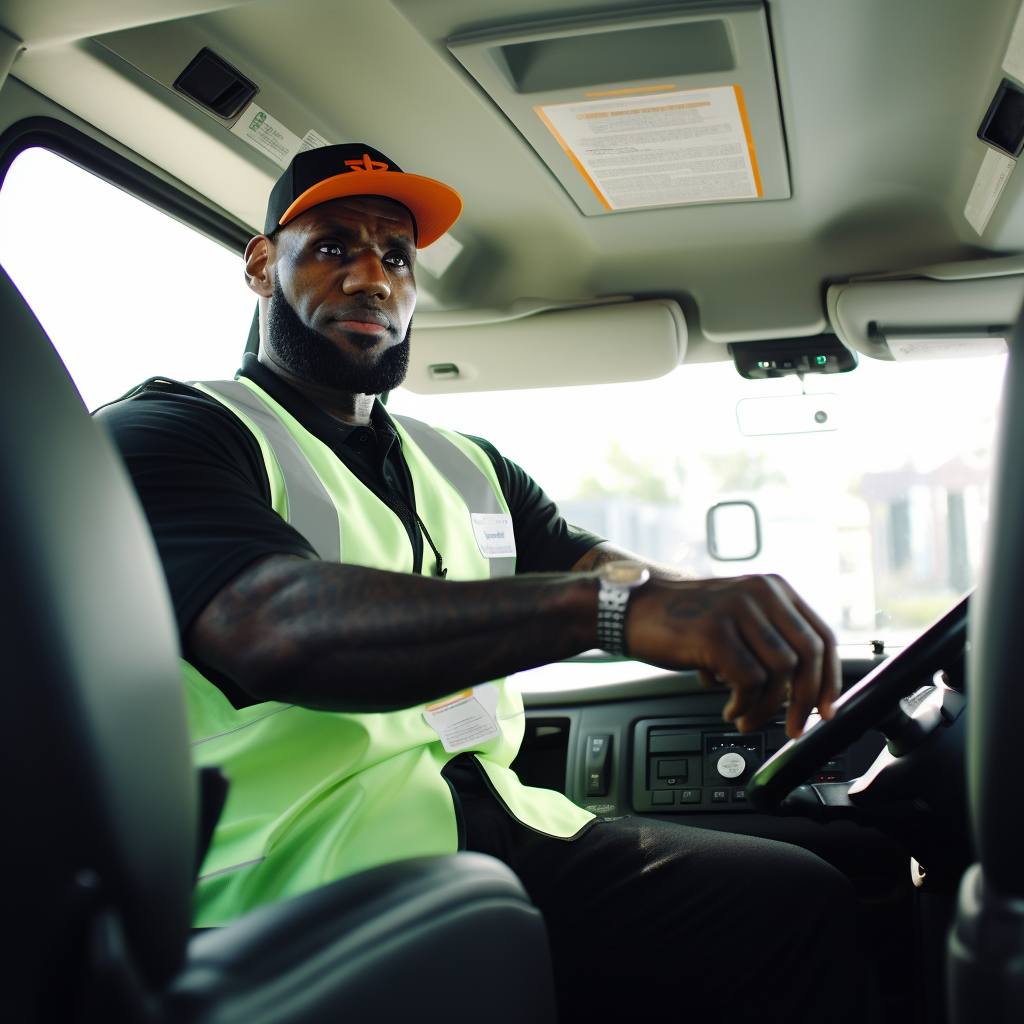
{"points": [[663, 109]]}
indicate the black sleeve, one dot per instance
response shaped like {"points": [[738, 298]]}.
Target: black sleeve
{"points": [[545, 542], [203, 485]]}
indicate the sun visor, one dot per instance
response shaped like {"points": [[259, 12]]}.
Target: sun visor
{"points": [[538, 344], [949, 311]]}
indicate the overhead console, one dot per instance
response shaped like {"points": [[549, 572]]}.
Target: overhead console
{"points": [[784, 357], [651, 109], [942, 311]]}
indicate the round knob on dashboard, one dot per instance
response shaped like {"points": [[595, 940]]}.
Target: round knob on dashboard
{"points": [[731, 765]]}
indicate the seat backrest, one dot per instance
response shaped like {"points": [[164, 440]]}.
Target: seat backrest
{"points": [[95, 759]]}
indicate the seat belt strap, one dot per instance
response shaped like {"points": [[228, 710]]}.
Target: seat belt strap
{"points": [[310, 508], [463, 474]]}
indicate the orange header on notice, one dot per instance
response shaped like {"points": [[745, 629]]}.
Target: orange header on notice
{"points": [[449, 700]]}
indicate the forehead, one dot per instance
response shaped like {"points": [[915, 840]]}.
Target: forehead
{"points": [[374, 215]]}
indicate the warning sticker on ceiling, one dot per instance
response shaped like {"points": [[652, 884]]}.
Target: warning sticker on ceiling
{"points": [[264, 132], [689, 146]]}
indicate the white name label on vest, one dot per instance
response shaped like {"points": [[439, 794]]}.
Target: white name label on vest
{"points": [[494, 535], [465, 719]]}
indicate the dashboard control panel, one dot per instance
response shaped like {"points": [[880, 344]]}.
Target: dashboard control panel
{"points": [[683, 765]]}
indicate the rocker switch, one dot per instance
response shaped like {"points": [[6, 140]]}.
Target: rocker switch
{"points": [[598, 764]]}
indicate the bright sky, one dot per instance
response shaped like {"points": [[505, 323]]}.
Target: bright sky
{"points": [[891, 414], [124, 291]]}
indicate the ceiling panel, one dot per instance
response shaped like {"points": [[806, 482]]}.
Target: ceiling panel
{"points": [[880, 103]]}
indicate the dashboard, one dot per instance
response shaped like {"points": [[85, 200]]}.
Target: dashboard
{"points": [[660, 747]]}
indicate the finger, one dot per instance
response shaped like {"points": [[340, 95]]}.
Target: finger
{"points": [[780, 660], [732, 661], [832, 670], [804, 640], [708, 678]]}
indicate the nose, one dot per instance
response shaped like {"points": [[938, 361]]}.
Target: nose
{"points": [[366, 276]]}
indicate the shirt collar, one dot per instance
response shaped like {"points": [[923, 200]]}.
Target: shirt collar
{"points": [[319, 423]]}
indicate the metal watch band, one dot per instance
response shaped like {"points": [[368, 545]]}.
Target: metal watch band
{"points": [[612, 602]]}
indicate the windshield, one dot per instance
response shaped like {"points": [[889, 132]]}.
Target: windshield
{"points": [[153, 297], [878, 524]]}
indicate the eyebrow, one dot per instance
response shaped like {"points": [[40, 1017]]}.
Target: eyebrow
{"points": [[397, 239], [400, 241]]}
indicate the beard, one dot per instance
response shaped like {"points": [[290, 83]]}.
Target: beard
{"points": [[316, 359]]}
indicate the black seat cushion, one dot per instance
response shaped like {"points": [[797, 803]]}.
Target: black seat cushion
{"points": [[436, 938]]}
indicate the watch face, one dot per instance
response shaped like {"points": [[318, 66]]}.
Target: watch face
{"points": [[624, 573]]}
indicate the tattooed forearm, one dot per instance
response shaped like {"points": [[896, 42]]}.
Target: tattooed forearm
{"points": [[605, 552], [346, 638]]}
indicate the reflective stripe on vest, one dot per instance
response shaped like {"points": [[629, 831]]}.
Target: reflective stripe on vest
{"points": [[310, 509], [456, 467]]}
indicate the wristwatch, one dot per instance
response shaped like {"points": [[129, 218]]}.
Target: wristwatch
{"points": [[618, 581]]}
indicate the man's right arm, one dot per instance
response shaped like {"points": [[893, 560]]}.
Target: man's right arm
{"points": [[341, 637], [346, 638]]}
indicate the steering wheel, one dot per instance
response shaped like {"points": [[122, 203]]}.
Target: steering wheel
{"points": [[867, 704]]}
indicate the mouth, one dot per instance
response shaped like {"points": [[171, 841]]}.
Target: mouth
{"points": [[371, 322]]}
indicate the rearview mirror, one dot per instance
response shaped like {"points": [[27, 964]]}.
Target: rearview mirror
{"points": [[787, 414], [734, 531]]}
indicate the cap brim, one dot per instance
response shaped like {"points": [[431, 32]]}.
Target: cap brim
{"points": [[435, 206]]}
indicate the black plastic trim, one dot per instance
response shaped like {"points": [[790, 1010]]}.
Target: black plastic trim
{"points": [[235, 102], [783, 357], [91, 155], [1005, 114]]}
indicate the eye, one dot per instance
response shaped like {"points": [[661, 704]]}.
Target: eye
{"points": [[330, 249], [397, 259]]}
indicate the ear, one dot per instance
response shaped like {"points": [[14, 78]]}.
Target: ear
{"points": [[259, 254]]}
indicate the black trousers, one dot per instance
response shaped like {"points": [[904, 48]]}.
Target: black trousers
{"points": [[651, 918]]}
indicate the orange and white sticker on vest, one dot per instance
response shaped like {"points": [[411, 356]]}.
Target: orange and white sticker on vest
{"points": [[465, 719]]}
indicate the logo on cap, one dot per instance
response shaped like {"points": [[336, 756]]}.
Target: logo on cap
{"points": [[366, 164]]}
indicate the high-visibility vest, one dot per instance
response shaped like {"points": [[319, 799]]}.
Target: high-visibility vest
{"points": [[318, 795]]}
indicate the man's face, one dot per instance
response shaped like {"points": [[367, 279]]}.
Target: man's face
{"points": [[344, 294]]}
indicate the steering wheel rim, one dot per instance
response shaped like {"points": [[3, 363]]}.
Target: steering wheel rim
{"points": [[862, 706]]}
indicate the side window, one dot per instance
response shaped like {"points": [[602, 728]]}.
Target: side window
{"points": [[124, 291]]}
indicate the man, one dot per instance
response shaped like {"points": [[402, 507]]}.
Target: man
{"points": [[345, 590]]}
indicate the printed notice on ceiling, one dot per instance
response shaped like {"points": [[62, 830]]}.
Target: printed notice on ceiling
{"points": [[662, 150]]}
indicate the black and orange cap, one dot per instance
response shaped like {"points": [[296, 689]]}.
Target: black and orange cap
{"points": [[331, 172]]}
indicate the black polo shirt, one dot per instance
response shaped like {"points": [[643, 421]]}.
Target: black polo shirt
{"points": [[200, 475]]}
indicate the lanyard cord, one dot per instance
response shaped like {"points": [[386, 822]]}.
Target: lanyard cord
{"points": [[441, 570]]}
